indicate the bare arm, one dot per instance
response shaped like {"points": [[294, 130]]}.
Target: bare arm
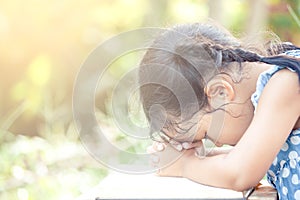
{"points": [[245, 165]]}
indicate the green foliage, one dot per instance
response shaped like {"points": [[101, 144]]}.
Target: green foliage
{"points": [[33, 168]]}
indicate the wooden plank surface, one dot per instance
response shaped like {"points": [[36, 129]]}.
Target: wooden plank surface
{"points": [[265, 192]]}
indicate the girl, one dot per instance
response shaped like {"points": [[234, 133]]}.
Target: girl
{"points": [[198, 81]]}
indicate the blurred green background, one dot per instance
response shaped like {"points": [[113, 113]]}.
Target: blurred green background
{"points": [[42, 46]]}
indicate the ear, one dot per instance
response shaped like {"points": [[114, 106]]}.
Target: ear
{"points": [[219, 92]]}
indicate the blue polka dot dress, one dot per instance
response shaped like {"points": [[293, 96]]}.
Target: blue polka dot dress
{"points": [[284, 173]]}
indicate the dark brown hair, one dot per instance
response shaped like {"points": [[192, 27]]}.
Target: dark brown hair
{"points": [[182, 59]]}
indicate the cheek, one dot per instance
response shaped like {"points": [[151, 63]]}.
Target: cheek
{"points": [[233, 130], [217, 125], [224, 128], [235, 127]]}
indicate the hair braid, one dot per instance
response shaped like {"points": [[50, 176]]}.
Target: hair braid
{"points": [[236, 54], [241, 55], [280, 48]]}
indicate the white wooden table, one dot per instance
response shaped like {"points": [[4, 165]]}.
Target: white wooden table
{"points": [[150, 186]]}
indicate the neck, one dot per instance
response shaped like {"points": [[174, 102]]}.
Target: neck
{"points": [[247, 86], [242, 106]]}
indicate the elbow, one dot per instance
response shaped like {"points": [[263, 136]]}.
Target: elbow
{"points": [[240, 187], [241, 183], [240, 180], [242, 177]]}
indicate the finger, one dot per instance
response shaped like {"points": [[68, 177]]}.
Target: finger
{"points": [[154, 159], [176, 145], [150, 149], [155, 147], [158, 146]]}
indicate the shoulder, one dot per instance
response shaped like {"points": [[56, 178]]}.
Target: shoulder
{"points": [[286, 76], [282, 90]]}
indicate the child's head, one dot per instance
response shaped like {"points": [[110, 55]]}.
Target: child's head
{"points": [[178, 72]]}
